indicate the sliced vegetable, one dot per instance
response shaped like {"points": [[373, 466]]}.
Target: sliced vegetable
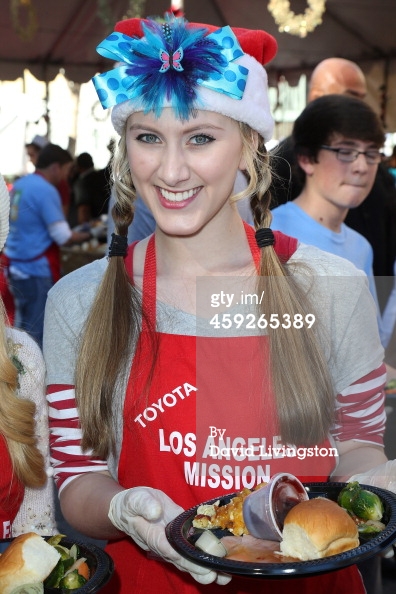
{"points": [[63, 551], [55, 539], [72, 580], [370, 527], [70, 564], [209, 543], [74, 551], [83, 570]]}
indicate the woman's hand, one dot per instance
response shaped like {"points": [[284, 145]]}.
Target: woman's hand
{"points": [[143, 513]]}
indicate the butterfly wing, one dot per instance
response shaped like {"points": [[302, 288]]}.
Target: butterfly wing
{"points": [[164, 57], [177, 58]]}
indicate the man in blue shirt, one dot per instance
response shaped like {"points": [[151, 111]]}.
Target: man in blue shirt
{"points": [[37, 229]]}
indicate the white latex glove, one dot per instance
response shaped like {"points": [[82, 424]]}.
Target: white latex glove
{"points": [[143, 513], [383, 476]]}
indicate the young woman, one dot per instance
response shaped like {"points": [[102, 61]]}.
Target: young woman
{"points": [[26, 492], [207, 334]]}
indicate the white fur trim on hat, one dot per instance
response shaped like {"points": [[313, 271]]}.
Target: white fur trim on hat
{"points": [[4, 212], [253, 109]]}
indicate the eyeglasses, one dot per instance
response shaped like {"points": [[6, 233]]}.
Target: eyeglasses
{"points": [[348, 155]]}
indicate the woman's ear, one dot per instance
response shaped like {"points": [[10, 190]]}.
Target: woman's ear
{"points": [[306, 163]]}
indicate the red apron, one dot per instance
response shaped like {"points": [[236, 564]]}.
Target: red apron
{"points": [[205, 393], [52, 255], [11, 492]]}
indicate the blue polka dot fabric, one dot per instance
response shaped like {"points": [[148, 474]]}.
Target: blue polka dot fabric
{"points": [[119, 85]]}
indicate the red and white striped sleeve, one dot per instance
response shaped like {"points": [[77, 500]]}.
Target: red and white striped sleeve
{"points": [[67, 457], [360, 409]]}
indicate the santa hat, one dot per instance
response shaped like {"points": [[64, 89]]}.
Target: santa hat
{"points": [[187, 66], [4, 212]]}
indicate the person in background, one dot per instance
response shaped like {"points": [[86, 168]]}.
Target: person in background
{"points": [[37, 229], [26, 484], [375, 218], [135, 358], [91, 189], [34, 147], [33, 150], [337, 141]]}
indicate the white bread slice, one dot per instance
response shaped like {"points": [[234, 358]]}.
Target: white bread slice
{"points": [[28, 560], [318, 528]]}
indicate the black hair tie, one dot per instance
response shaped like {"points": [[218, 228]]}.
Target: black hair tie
{"points": [[118, 245], [265, 237]]}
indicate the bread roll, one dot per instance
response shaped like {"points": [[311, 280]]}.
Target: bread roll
{"points": [[28, 560], [318, 528]]}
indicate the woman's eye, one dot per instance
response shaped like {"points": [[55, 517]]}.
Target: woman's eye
{"points": [[149, 138], [201, 139]]}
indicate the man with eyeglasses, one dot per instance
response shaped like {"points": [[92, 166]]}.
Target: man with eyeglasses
{"points": [[375, 217], [337, 141]]}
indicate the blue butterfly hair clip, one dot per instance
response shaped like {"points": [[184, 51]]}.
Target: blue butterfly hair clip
{"points": [[168, 64]]}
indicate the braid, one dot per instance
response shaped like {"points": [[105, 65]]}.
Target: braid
{"points": [[300, 377]]}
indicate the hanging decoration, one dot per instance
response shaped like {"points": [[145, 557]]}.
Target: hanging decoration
{"points": [[24, 18], [297, 24], [136, 9]]}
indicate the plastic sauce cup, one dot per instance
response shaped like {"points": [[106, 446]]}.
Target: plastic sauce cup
{"points": [[264, 510]]}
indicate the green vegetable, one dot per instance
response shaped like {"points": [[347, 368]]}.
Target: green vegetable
{"points": [[371, 527], [367, 505], [61, 576], [52, 581], [74, 552], [55, 540], [63, 552], [72, 580], [347, 494]]}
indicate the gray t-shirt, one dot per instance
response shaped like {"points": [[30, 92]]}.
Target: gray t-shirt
{"points": [[344, 308]]}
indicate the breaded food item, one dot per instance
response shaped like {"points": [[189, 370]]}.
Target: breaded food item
{"points": [[28, 560], [318, 528], [228, 516]]}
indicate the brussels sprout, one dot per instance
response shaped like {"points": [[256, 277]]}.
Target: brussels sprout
{"points": [[72, 580], [367, 505], [347, 494]]}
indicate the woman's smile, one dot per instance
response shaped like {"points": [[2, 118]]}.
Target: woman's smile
{"points": [[179, 199]]}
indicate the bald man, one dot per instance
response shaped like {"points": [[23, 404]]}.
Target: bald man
{"points": [[375, 218], [337, 76]]}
